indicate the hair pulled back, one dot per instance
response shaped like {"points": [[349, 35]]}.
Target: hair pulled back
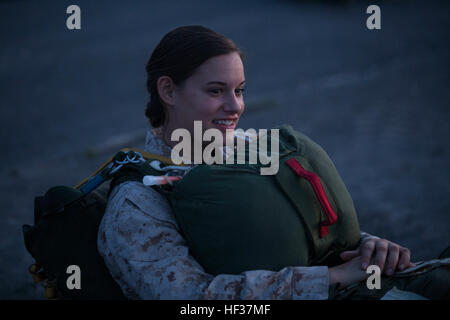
{"points": [[179, 53]]}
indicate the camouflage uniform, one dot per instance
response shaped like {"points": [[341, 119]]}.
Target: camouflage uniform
{"points": [[141, 244]]}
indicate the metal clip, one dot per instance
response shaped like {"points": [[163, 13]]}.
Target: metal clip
{"points": [[130, 157]]}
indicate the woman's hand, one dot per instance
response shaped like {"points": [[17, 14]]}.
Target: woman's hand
{"points": [[387, 255], [347, 273]]}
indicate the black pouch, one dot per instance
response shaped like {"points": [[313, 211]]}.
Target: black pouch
{"points": [[64, 234]]}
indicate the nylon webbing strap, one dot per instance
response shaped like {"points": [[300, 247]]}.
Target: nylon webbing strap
{"points": [[146, 155]]}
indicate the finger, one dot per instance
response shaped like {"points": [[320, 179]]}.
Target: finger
{"points": [[392, 258], [404, 260], [381, 251], [366, 250], [347, 255]]}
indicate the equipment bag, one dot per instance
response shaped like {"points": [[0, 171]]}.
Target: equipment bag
{"points": [[64, 234], [235, 219]]}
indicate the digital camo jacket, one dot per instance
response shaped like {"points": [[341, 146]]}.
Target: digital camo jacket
{"points": [[140, 242]]}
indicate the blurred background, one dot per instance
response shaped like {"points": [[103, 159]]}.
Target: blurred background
{"points": [[376, 100]]}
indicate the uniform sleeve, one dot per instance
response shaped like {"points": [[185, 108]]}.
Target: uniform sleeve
{"points": [[141, 244]]}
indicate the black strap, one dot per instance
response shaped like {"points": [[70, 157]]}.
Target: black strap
{"points": [[132, 172]]}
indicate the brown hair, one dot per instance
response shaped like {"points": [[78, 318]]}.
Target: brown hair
{"points": [[177, 55]]}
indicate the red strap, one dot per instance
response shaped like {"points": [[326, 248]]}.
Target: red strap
{"points": [[318, 190]]}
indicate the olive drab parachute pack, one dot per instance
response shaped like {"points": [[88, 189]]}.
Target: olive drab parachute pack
{"points": [[233, 218]]}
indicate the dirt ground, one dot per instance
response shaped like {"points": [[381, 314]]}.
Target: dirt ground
{"points": [[376, 100]]}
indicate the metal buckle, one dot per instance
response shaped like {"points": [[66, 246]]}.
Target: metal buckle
{"points": [[123, 158]]}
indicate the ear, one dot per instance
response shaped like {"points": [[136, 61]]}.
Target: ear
{"points": [[166, 88]]}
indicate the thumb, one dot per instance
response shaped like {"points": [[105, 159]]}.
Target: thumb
{"points": [[347, 255]]}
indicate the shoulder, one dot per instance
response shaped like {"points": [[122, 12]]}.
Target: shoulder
{"points": [[132, 200], [137, 220], [145, 198]]}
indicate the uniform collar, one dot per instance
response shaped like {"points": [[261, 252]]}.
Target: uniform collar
{"points": [[155, 144]]}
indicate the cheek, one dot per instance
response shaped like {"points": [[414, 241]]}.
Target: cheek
{"points": [[193, 105], [199, 105], [206, 108], [242, 106]]}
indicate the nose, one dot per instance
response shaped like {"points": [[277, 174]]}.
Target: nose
{"points": [[233, 104]]}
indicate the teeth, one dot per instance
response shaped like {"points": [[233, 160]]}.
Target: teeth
{"points": [[225, 122]]}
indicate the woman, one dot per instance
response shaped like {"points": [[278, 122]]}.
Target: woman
{"points": [[197, 74]]}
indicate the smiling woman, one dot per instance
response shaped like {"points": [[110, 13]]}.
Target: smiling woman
{"points": [[217, 103], [239, 243], [195, 74]]}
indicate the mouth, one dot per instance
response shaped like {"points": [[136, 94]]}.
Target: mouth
{"points": [[225, 123]]}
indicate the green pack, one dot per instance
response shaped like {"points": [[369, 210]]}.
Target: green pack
{"points": [[235, 219]]}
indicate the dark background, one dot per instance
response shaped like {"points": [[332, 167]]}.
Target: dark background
{"points": [[376, 100]]}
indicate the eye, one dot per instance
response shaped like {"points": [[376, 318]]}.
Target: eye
{"points": [[215, 91], [239, 91]]}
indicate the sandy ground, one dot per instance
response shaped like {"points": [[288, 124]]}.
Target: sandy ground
{"points": [[377, 101]]}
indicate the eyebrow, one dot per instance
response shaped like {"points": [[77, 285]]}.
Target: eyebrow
{"points": [[222, 83]]}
